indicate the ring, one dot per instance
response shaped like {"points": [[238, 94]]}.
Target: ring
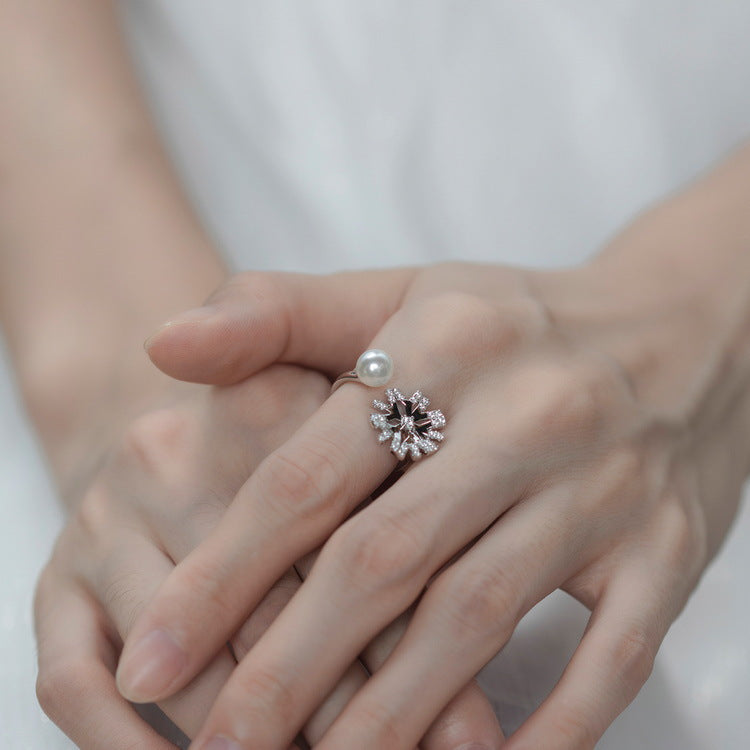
{"points": [[405, 422]]}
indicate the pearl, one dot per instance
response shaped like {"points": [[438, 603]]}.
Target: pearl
{"points": [[374, 367]]}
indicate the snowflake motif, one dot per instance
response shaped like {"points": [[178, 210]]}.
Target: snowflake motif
{"points": [[407, 424]]}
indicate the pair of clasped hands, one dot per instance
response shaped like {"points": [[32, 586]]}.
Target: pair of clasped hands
{"points": [[242, 559]]}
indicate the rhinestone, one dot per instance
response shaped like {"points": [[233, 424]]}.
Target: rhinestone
{"points": [[437, 417]]}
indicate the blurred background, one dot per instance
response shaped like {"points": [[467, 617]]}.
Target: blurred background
{"points": [[330, 134]]}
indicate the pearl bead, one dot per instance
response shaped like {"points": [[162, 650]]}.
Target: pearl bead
{"points": [[374, 367]]}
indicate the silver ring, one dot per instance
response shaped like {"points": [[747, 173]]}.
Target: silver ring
{"points": [[407, 424]]}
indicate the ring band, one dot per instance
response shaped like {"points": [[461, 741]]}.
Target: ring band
{"points": [[350, 376], [406, 423]]}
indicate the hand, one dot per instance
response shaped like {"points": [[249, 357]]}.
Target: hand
{"points": [[588, 447], [159, 492]]}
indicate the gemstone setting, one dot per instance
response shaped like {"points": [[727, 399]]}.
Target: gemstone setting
{"points": [[407, 425]]}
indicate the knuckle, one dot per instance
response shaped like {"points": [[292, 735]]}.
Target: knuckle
{"points": [[49, 692], [207, 582], [278, 396], [575, 731], [154, 442], [252, 286], [457, 305], [380, 726], [267, 297], [484, 601], [684, 541], [94, 514], [246, 286], [266, 293], [264, 692], [456, 324], [63, 687], [121, 594], [634, 658], [570, 401], [304, 481], [381, 551]]}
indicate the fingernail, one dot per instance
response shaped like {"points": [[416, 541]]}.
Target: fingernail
{"points": [[221, 743], [152, 666], [189, 316]]}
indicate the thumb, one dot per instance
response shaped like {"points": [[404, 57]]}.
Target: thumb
{"points": [[258, 318]]}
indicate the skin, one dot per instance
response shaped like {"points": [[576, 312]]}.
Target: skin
{"points": [[98, 244], [598, 423], [160, 492]]}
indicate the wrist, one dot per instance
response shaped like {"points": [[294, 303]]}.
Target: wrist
{"points": [[679, 328], [669, 300], [82, 290], [79, 406], [80, 363]]}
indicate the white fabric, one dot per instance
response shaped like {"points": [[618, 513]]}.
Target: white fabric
{"points": [[329, 134]]}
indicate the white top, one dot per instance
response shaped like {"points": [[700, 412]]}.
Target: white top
{"points": [[317, 135]]}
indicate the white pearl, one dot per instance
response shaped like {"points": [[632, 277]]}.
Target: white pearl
{"points": [[374, 367]]}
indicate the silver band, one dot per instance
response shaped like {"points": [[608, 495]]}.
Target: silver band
{"points": [[345, 377]]}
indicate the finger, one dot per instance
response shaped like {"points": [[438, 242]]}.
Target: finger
{"points": [[75, 685], [256, 319], [468, 718], [288, 507], [189, 707], [123, 583], [179, 542], [370, 570], [467, 721], [298, 495], [609, 667], [127, 580], [264, 614], [260, 620], [465, 617], [125, 588]]}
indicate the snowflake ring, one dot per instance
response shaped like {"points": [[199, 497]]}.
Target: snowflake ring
{"points": [[406, 423]]}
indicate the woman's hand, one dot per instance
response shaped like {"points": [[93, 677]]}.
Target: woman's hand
{"points": [[157, 494], [98, 242], [597, 423]]}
